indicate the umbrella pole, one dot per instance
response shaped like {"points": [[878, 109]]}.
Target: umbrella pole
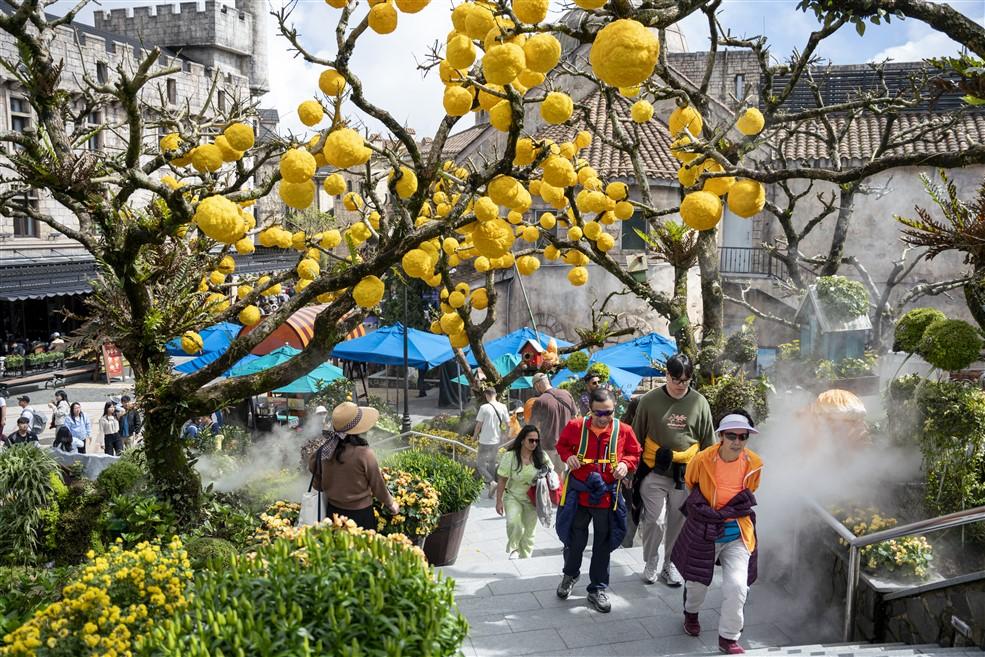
{"points": [[458, 369], [405, 425]]}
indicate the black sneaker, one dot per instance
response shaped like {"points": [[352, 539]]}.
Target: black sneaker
{"points": [[599, 601], [564, 588]]}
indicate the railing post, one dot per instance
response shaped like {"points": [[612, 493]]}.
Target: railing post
{"points": [[851, 592]]}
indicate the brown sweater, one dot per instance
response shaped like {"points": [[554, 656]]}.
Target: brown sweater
{"points": [[354, 482]]}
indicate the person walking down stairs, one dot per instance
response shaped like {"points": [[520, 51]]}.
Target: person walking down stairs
{"points": [[720, 527], [518, 470]]}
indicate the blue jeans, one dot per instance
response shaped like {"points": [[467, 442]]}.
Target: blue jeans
{"points": [[598, 569]]}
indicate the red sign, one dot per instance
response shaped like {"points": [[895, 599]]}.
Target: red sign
{"points": [[112, 361]]}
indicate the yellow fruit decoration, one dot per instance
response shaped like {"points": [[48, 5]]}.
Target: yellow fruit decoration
{"points": [[311, 112], [502, 63], [551, 252], [583, 139], [531, 11], [487, 100], [677, 149], [219, 219], [249, 316], [480, 299], [169, 142], [337, 4], [577, 276], [542, 52], [503, 190], [273, 290], [301, 284], [623, 210], [245, 246], [412, 6], [458, 340], [485, 209], [501, 116], [449, 75], [456, 299], [240, 136], [383, 18], [685, 118], [331, 82], [624, 53], [630, 92], [330, 239], [216, 302], [217, 278], [527, 265], [547, 221], [359, 232], [482, 264], [641, 111], [368, 292], [746, 197], [556, 108], [590, 4], [226, 265], [701, 210], [297, 165], [605, 242], [687, 175], [559, 172], [297, 195], [417, 263], [530, 234], [452, 323], [617, 191], [473, 19], [493, 239], [460, 51], [308, 269], [457, 101], [751, 122], [592, 230], [717, 186], [449, 245], [191, 342], [574, 234], [352, 201], [345, 148], [229, 154], [407, 184], [530, 78], [334, 184], [206, 158]]}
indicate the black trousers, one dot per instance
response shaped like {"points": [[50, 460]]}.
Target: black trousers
{"points": [[113, 444], [598, 569], [362, 517]]}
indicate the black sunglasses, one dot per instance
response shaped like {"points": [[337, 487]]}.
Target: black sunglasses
{"points": [[735, 436], [533, 440], [602, 413]]}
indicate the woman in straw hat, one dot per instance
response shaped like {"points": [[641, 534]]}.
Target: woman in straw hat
{"points": [[346, 470]]}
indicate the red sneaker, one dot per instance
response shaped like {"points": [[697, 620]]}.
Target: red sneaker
{"points": [[729, 646], [691, 624]]}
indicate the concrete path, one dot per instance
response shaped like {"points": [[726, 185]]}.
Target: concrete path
{"points": [[513, 610]]}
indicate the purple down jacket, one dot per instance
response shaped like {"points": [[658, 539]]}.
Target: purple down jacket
{"points": [[694, 550]]}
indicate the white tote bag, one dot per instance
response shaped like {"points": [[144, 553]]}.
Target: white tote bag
{"points": [[312, 510]]}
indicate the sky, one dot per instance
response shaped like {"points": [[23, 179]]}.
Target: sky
{"points": [[388, 65]]}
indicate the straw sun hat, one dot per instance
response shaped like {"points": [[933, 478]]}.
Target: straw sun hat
{"points": [[351, 419]]}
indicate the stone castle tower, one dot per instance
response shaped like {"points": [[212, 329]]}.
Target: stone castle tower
{"points": [[230, 38]]}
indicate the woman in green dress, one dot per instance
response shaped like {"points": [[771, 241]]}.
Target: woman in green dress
{"points": [[518, 468]]}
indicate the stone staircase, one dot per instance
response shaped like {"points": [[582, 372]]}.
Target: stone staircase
{"points": [[513, 610]]}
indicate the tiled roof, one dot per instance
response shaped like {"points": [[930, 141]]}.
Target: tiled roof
{"points": [[456, 142], [865, 133], [611, 162]]}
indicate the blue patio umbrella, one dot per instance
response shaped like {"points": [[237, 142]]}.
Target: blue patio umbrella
{"points": [[385, 346], [643, 355], [314, 381], [214, 338], [626, 382], [196, 364], [511, 343], [261, 363], [504, 365]]}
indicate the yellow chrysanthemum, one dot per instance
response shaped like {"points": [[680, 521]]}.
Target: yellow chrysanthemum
{"points": [[624, 53], [501, 116], [452, 323], [368, 292]]}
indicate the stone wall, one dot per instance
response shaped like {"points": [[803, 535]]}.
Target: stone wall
{"points": [[188, 24]]}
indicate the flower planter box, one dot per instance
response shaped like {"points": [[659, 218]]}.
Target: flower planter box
{"points": [[442, 545]]}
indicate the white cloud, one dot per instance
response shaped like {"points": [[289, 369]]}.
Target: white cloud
{"points": [[928, 44]]}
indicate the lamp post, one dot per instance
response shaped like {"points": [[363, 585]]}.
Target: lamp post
{"points": [[405, 423]]}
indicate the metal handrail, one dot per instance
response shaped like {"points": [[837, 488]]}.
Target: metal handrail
{"points": [[456, 445], [856, 543]]}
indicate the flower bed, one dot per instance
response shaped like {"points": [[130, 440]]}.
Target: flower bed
{"points": [[909, 556], [418, 502]]}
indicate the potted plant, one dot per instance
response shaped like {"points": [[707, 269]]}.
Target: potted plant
{"points": [[418, 501], [457, 485]]}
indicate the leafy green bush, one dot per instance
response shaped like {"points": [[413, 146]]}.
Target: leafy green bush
{"points": [[136, 518], [225, 517], [842, 299], [207, 552], [236, 440], [951, 344], [903, 388], [731, 392], [14, 362], [911, 326], [577, 362], [788, 350], [26, 492], [742, 346], [458, 485], [848, 368], [328, 592], [119, 479], [23, 590]]}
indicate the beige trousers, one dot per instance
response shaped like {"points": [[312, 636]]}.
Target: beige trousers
{"points": [[661, 520]]}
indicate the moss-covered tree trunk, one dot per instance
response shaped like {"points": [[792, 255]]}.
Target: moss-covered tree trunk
{"points": [[974, 294]]}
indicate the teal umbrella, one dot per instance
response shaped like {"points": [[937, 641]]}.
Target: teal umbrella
{"points": [[504, 365], [314, 381], [275, 357]]}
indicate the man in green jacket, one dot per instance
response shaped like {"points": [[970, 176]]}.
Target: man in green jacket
{"points": [[673, 422]]}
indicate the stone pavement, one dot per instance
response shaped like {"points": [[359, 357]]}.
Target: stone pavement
{"points": [[513, 610]]}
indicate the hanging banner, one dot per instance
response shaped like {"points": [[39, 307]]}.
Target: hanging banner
{"points": [[112, 362]]}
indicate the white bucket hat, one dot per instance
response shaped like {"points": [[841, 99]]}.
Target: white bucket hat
{"points": [[735, 421]]}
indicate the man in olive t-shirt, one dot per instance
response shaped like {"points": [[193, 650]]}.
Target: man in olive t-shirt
{"points": [[672, 422]]}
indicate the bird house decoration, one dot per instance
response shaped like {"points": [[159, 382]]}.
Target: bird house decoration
{"points": [[532, 354]]}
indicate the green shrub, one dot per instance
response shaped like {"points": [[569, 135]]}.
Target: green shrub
{"points": [[136, 518], [328, 592], [458, 485], [849, 368], [121, 478], [14, 362], [842, 299], [903, 388], [951, 344], [224, 516], [236, 440], [577, 362], [788, 350], [730, 392], [207, 552], [911, 326], [26, 492], [24, 590], [742, 346]]}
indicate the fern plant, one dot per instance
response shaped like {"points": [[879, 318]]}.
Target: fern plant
{"points": [[26, 493]]}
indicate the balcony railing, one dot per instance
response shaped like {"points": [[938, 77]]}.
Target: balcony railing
{"points": [[749, 261]]}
